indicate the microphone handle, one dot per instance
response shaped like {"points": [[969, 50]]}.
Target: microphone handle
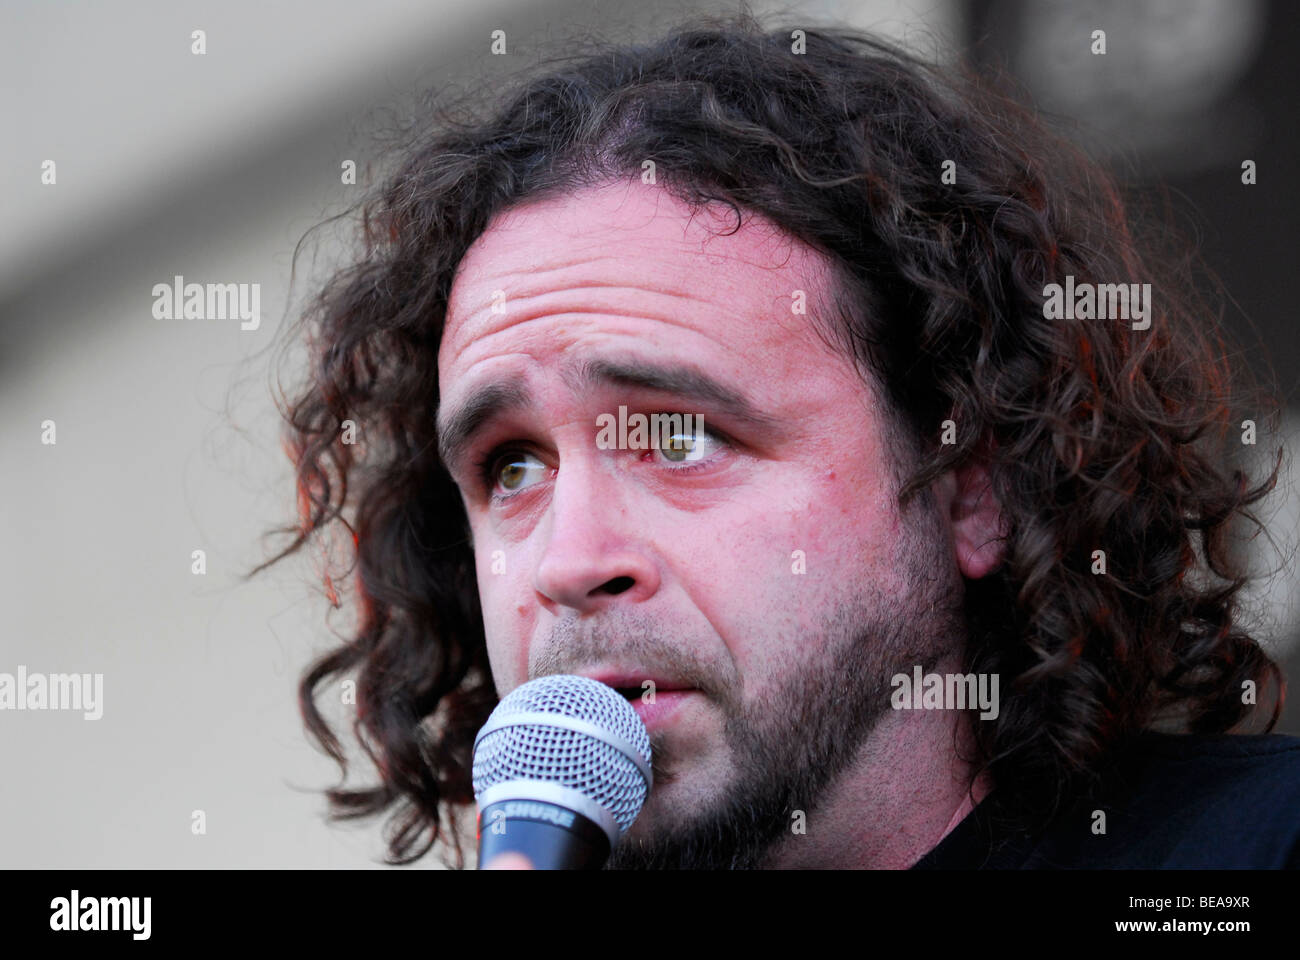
{"points": [[530, 828]]}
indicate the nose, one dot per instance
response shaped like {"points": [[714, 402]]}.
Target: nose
{"points": [[596, 553]]}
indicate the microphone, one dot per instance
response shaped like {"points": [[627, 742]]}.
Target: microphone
{"points": [[561, 769]]}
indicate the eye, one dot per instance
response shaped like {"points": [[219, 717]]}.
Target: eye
{"points": [[689, 446], [514, 470]]}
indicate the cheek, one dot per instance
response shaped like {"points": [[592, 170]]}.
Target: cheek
{"points": [[830, 525], [504, 616], [763, 577], [854, 521], [770, 583]]}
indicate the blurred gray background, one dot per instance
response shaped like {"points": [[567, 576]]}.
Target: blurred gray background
{"points": [[212, 167]]}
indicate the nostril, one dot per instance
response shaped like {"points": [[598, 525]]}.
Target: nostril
{"points": [[618, 585]]}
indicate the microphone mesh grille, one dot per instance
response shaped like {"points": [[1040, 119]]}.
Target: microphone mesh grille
{"points": [[537, 751]]}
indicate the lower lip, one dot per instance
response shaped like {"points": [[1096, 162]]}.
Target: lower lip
{"points": [[667, 703]]}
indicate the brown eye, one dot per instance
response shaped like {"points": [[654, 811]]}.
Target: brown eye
{"points": [[678, 447], [513, 470], [685, 446]]}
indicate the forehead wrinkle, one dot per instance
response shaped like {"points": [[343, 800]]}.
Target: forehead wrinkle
{"points": [[479, 342], [597, 285], [519, 300], [496, 270]]}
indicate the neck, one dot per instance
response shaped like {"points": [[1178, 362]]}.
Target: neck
{"points": [[906, 790]]}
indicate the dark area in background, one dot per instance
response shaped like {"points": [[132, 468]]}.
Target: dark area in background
{"points": [[1245, 233]]}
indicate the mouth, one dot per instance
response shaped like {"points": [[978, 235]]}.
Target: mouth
{"points": [[656, 712], [632, 686]]}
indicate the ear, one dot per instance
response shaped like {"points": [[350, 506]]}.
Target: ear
{"points": [[966, 502]]}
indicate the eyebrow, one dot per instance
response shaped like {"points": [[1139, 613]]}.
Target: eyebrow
{"points": [[497, 397], [485, 404]]}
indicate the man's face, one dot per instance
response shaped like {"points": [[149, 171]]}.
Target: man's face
{"points": [[770, 574]]}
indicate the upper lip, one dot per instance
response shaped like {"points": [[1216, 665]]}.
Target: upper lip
{"points": [[634, 679]]}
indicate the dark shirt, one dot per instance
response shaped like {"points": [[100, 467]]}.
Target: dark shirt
{"points": [[1172, 802]]}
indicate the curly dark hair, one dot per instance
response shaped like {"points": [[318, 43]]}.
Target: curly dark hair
{"points": [[1096, 436]]}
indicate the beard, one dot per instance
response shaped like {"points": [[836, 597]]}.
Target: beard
{"points": [[791, 745], [790, 748]]}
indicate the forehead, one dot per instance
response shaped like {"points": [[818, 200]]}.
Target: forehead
{"points": [[627, 255]]}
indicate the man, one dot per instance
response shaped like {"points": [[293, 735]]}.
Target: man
{"points": [[934, 558]]}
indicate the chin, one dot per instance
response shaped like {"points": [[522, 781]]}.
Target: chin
{"points": [[673, 801], [657, 813]]}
